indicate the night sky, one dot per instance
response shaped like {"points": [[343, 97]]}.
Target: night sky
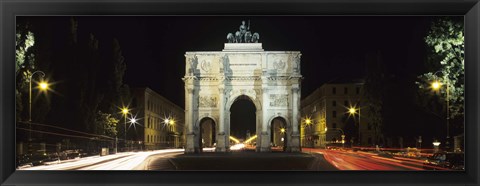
{"points": [[331, 46]]}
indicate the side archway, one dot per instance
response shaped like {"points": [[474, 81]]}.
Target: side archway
{"points": [[207, 129], [279, 130]]}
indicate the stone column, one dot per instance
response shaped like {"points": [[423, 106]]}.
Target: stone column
{"points": [[265, 134], [294, 141], [221, 135], [259, 127], [190, 146]]}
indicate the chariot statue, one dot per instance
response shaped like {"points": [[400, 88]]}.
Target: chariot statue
{"points": [[243, 35]]}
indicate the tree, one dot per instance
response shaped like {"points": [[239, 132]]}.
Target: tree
{"points": [[374, 89], [446, 42], [24, 61], [106, 124]]}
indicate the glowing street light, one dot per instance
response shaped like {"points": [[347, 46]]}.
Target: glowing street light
{"points": [[308, 121], [133, 120], [436, 85], [353, 111], [125, 111], [43, 86]]}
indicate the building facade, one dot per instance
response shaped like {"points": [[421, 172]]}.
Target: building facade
{"points": [[333, 110], [161, 122]]}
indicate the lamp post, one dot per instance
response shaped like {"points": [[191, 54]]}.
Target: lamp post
{"points": [[43, 86], [170, 138], [436, 85], [353, 111], [125, 112], [132, 121], [308, 122]]}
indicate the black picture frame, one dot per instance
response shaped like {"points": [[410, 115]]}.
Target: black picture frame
{"points": [[9, 9]]}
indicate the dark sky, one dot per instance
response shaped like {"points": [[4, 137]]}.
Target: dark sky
{"points": [[331, 46]]}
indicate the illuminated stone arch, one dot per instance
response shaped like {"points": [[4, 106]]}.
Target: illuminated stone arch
{"points": [[214, 80]]}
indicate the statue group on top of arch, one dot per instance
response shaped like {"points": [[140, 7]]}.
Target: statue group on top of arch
{"points": [[243, 35]]}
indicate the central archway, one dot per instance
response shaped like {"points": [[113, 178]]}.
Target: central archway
{"points": [[242, 118]]}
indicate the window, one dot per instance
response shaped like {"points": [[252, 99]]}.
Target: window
{"points": [[345, 90], [334, 114], [334, 103], [148, 138], [358, 90], [369, 140], [369, 126], [346, 103], [334, 90], [334, 125]]}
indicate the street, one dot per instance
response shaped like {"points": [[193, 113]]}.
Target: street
{"points": [[359, 160], [175, 159]]}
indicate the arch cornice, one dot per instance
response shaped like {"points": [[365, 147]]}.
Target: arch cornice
{"points": [[250, 93], [279, 115]]}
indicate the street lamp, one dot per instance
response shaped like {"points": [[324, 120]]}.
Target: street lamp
{"points": [[125, 112], [353, 111], [308, 131], [43, 86], [436, 85]]}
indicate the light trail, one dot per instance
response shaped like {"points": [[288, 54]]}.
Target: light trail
{"points": [[250, 139], [119, 161], [359, 160], [234, 139]]}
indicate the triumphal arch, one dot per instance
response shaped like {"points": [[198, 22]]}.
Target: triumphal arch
{"points": [[214, 80]]}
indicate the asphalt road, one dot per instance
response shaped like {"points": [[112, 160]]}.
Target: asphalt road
{"points": [[243, 160], [239, 160]]}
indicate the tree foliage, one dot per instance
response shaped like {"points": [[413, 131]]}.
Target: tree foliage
{"points": [[446, 43], [374, 89], [106, 124], [24, 61]]}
